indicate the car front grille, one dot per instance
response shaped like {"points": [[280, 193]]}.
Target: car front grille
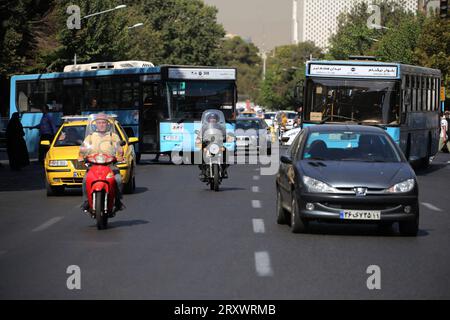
{"points": [[72, 180], [359, 206]]}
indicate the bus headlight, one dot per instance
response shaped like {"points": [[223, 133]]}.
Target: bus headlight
{"points": [[402, 187]]}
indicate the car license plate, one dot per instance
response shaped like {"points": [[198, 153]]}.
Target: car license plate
{"points": [[78, 174], [360, 215]]}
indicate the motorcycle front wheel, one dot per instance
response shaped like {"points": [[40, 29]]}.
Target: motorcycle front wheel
{"points": [[216, 177], [101, 217]]}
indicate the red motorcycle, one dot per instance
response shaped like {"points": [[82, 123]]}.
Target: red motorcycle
{"points": [[101, 188]]}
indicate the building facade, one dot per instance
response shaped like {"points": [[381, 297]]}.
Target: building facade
{"points": [[318, 18]]}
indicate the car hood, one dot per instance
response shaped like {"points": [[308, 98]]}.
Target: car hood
{"points": [[349, 174], [64, 153]]}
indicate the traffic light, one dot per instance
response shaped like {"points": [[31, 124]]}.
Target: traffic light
{"points": [[443, 9]]}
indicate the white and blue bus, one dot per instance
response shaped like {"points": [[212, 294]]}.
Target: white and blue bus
{"points": [[403, 99], [156, 104]]}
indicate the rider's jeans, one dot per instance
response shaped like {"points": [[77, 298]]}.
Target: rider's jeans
{"points": [[117, 177]]}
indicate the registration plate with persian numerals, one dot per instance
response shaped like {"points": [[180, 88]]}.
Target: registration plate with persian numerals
{"points": [[360, 215]]}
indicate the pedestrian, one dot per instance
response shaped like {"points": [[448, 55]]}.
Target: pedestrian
{"points": [[443, 137], [47, 130], [15, 144]]}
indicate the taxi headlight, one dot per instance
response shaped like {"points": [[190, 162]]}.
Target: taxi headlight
{"points": [[57, 163], [402, 187], [316, 186]]}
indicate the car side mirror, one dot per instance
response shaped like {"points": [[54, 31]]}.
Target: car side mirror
{"points": [[286, 160], [122, 143], [285, 139], [197, 132], [45, 143], [133, 140]]}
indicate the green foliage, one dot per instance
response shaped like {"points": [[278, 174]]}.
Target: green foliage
{"points": [[235, 52], [397, 43], [433, 47], [285, 69], [186, 31]]}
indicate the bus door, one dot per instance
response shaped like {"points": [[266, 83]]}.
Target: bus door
{"points": [[152, 112]]}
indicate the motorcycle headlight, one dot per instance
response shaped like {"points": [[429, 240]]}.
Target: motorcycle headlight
{"points": [[316, 186], [402, 187], [214, 149], [58, 163]]}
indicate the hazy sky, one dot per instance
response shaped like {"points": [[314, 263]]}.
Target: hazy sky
{"points": [[267, 22]]}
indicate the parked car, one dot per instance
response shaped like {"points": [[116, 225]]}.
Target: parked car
{"points": [[346, 173], [62, 168]]}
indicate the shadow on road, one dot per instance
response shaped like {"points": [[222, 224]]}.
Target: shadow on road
{"points": [[440, 161], [126, 223], [358, 230], [139, 190], [29, 178]]}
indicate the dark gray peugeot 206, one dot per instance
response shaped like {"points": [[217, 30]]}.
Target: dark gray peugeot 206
{"points": [[347, 173]]}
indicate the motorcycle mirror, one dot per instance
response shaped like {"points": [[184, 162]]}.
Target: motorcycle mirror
{"points": [[122, 143]]}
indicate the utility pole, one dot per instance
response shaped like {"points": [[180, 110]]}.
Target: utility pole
{"points": [[295, 22]]}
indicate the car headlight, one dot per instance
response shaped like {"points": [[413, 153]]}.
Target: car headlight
{"points": [[316, 186], [57, 163], [402, 187]]}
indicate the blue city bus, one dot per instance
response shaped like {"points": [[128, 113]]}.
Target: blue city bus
{"points": [[159, 105], [401, 98]]}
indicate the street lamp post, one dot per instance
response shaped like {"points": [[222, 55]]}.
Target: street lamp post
{"points": [[140, 24], [96, 14]]}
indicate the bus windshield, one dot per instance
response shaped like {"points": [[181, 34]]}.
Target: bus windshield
{"points": [[365, 101], [188, 99]]}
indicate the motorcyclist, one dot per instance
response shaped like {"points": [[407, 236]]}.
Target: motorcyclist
{"points": [[213, 122], [103, 140]]}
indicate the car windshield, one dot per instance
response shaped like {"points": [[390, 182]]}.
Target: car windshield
{"points": [[248, 124], [70, 136], [268, 116], [291, 115], [350, 146]]}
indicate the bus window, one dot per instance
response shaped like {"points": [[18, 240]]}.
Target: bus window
{"points": [[32, 96]]}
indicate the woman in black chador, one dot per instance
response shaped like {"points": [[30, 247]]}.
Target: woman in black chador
{"points": [[15, 144]]}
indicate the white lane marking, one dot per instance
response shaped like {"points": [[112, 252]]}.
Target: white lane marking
{"points": [[255, 189], [47, 224], [258, 226], [255, 178], [262, 264], [256, 204], [431, 207]]}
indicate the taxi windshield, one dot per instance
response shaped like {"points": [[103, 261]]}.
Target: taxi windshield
{"points": [[70, 136]]}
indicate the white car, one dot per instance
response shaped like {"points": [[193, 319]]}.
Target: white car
{"points": [[269, 117], [288, 137]]}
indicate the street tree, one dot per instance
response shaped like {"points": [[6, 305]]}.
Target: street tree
{"points": [[285, 69], [235, 52]]}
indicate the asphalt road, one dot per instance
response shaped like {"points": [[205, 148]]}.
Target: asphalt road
{"points": [[179, 240]]}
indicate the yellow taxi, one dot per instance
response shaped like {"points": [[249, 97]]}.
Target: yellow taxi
{"points": [[62, 168]]}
